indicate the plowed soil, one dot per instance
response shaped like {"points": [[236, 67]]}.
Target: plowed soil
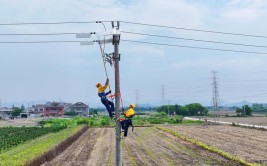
{"points": [[247, 144], [144, 146]]}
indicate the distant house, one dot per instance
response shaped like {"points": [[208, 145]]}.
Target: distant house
{"points": [[35, 111], [53, 109], [80, 108], [39, 107], [5, 112]]}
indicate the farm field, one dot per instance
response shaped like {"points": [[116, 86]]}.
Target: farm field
{"points": [[244, 143], [18, 123], [13, 136], [24, 152], [261, 121], [144, 146]]}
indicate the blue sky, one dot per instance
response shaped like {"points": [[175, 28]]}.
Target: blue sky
{"points": [[69, 72]]}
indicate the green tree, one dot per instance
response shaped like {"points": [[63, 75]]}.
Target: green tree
{"points": [[248, 110], [93, 111], [22, 107], [195, 109], [16, 111], [244, 111]]}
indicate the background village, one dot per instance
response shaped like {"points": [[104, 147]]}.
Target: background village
{"points": [[50, 109]]}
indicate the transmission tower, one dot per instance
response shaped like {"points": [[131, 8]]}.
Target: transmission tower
{"points": [[215, 94], [162, 94]]}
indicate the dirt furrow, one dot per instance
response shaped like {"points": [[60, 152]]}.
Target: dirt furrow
{"points": [[230, 144], [246, 148], [103, 151], [77, 154]]}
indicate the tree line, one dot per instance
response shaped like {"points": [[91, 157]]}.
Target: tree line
{"points": [[193, 109]]}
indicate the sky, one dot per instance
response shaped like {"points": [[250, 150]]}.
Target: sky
{"points": [[68, 72]]}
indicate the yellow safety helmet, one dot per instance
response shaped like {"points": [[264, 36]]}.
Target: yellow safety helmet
{"points": [[97, 85], [133, 106]]}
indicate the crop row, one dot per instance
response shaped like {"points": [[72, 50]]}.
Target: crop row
{"points": [[205, 146], [12, 136]]}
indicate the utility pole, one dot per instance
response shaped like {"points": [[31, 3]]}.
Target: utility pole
{"points": [[244, 108], [163, 94], [116, 40], [137, 98], [168, 107]]}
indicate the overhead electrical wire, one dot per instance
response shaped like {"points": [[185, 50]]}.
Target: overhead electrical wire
{"points": [[134, 23], [245, 80], [40, 42], [39, 34], [197, 30], [136, 33], [202, 48], [190, 39], [51, 23]]}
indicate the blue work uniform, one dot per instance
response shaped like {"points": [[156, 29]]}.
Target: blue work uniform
{"points": [[108, 104]]}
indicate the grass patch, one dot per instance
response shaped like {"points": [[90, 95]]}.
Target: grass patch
{"points": [[207, 147], [193, 122], [25, 152]]}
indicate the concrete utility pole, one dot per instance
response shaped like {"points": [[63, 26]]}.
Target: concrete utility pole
{"points": [[116, 40]]}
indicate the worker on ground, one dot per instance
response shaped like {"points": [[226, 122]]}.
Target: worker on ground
{"points": [[127, 120], [103, 95]]}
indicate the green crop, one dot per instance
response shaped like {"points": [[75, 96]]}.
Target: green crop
{"points": [[12, 136]]}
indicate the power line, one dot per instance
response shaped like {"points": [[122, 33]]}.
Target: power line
{"points": [[39, 42], [128, 22], [202, 48], [39, 34], [263, 71], [245, 80], [196, 40], [52, 23], [197, 30]]}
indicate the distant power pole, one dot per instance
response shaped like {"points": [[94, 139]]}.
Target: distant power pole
{"points": [[215, 94], [244, 108], [163, 94], [168, 107], [137, 98]]}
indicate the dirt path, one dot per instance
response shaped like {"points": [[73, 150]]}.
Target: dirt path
{"points": [[247, 144]]}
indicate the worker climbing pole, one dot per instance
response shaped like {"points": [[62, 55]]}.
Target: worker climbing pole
{"points": [[115, 42], [118, 97]]}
